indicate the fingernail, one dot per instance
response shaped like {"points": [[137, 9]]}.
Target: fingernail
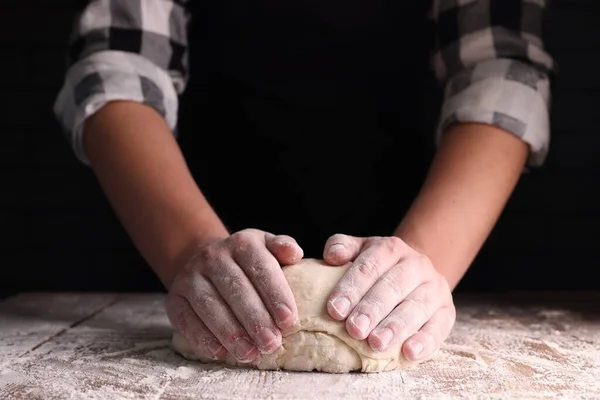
{"points": [[244, 349], [282, 314], [416, 348], [384, 337], [335, 248], [215, 348], [361, 322], [267, 337], [341, 305]]}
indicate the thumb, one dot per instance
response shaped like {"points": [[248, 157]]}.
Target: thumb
{"points": [[342, 249], [285, 248]]}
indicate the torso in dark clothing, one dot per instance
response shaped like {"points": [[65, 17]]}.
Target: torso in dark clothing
{"points": [[546, 239], [305, 118]]}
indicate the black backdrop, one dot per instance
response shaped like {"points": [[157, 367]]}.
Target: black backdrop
{"points": [[58, 232]]}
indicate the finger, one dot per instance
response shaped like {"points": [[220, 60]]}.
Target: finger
{"points": [[187, 323], [244, 302], [389, 291], [285, 248], [431, 336], [210, 307], [266, 277], [377, 256], [341, 249], [407, 318]]}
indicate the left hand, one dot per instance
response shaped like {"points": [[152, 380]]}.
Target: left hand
{"points": [[391, 294]]}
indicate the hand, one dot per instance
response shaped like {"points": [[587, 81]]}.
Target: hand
{"points": [[391, 294], [231, 295]]}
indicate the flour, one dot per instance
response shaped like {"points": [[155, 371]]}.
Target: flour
{"points": [[8, 377], [137, 347], [123, 353], [184, 372]]}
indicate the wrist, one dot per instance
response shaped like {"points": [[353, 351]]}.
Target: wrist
{"points": [[409, 233], [191, 240], [144, 175], [469, 181], [439, 248]]}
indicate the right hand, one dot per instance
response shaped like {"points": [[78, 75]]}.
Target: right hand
{"points": [[231, 295]]}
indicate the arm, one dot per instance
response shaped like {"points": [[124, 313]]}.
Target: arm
{"points": [[142, 171], [473, 174], [118, 108], [494, 119]]}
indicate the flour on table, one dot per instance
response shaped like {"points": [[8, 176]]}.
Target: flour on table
{"points": [[317, 342]]}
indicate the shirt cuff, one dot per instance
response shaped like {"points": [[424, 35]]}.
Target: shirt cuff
{"points": [[506, 93], [107, 76]]}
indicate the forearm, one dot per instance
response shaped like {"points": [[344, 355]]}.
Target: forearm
{"points": [[144, 175], [472, 176]]}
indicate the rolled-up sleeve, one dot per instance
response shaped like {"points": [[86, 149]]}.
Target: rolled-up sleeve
{"points": [[491, 58], [132, 50]]}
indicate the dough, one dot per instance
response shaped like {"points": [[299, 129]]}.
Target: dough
{"points": [[317, 341]]}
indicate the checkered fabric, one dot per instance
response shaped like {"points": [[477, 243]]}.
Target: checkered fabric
{"points": [[124, 50], [489, 56]]}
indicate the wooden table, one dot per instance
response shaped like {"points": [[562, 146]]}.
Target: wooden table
{"points": [[114, 346]]}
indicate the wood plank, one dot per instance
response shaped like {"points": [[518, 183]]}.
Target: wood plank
{"points": [[519, 348], [28, 320]]}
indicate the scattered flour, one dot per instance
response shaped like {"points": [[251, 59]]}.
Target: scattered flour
{"points": [[493, 353], [8, 377]]}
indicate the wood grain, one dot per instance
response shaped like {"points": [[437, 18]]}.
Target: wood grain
{"points": [[111, 347]]}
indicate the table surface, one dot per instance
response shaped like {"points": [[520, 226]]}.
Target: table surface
{"points": [[113, 346]]}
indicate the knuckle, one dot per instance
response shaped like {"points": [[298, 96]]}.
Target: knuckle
{"points": [[232, 336], [408, 270], [242, 240], [235, 284], [255, 270], [420, 306], [199, 347], [442, 286], [205, 261], [422, 260], [430, 337], [397, 323], [186, 285], [203, 301], [256, 276], [367, 268], [370, 307], [393, 244], [393, 282], [202, 347], [206, 253], [371, 240], [374, 241]]}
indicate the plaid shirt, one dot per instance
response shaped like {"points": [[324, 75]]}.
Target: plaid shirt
{"points": [[489, 55]]}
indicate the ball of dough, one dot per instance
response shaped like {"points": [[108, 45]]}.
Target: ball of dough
{"points": [[317, 342]]}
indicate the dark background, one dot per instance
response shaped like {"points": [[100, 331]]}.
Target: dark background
{"points": [[58, 232]]}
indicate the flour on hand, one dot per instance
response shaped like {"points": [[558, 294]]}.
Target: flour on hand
{"points": [[316, 342]]}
